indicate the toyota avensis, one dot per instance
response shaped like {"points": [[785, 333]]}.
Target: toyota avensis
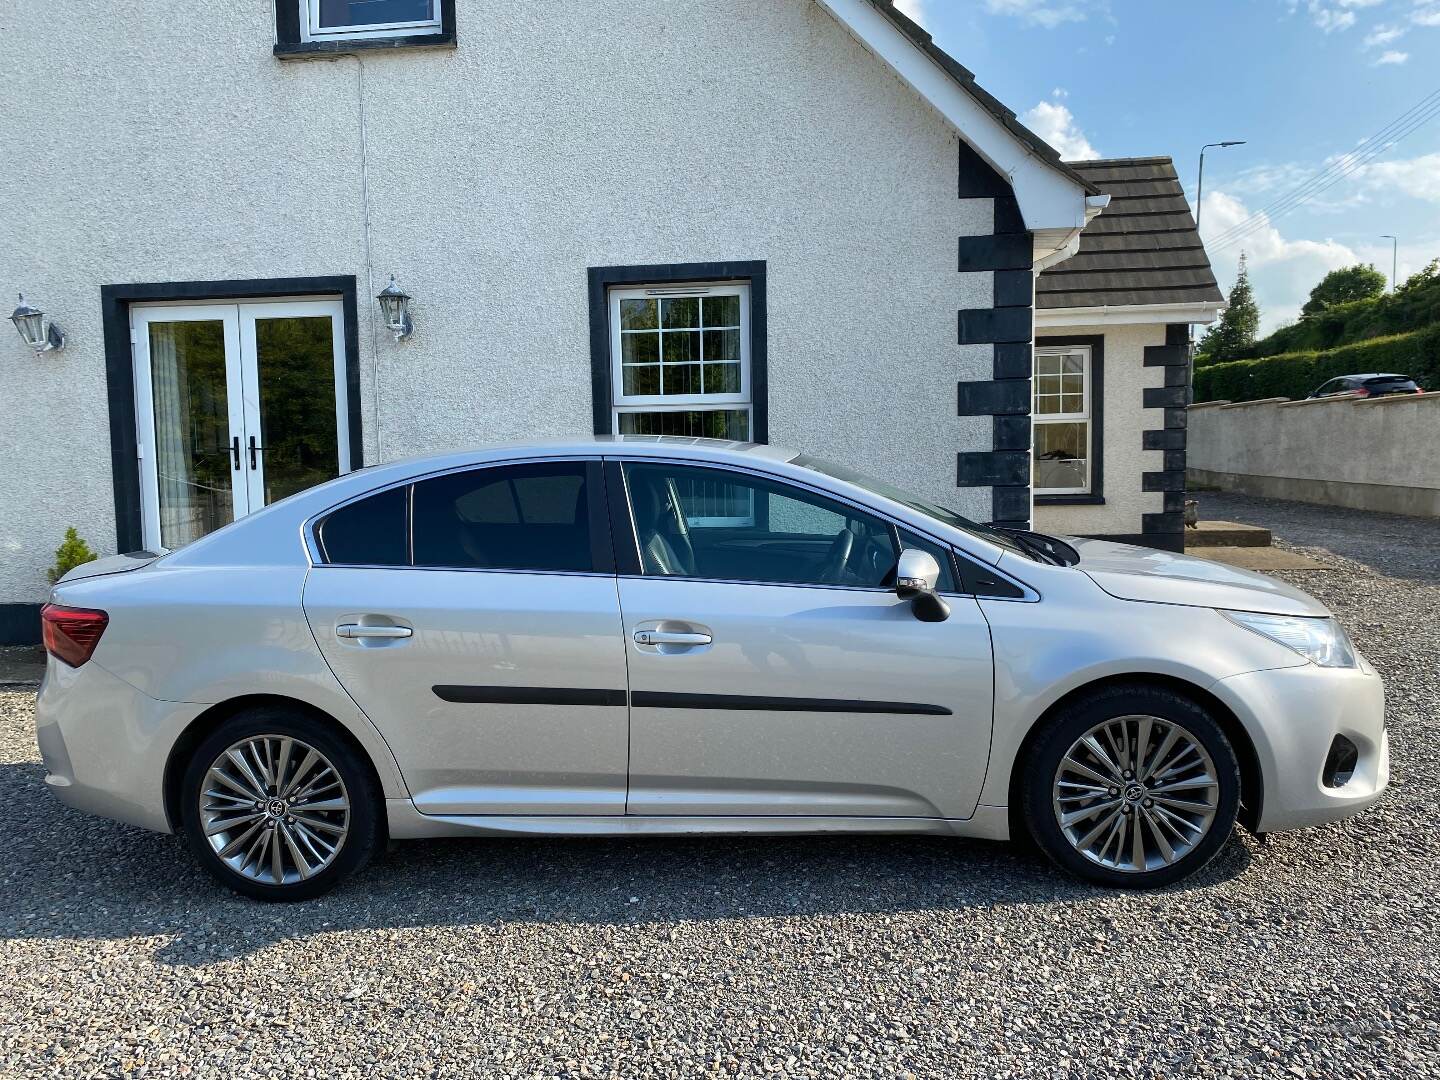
{"points": [[669, 636]]}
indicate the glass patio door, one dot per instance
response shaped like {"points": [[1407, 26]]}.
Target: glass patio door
{"points": [[237, 405]]}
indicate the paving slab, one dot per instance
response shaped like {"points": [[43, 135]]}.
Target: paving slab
{"points": [[21, 665], [1258, 558], [1226, 534]]}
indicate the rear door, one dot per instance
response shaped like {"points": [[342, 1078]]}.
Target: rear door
{"points": [[773, 670], [473, 616]]}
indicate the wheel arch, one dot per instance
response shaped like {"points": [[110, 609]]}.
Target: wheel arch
{"points": [[1252, 781], [198, 729]]}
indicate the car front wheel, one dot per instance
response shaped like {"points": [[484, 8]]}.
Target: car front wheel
{"points": [[279, 807], [1133, 787]]}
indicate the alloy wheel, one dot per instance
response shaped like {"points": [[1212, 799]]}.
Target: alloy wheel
{"points": [[274, 809], [1135, 793]]}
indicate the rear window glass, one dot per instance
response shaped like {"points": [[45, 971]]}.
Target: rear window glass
{"points": [[516, 517], [370, 532], [1390, 384]]}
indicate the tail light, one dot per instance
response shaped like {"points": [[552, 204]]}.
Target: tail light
{"points": [[71, 634]]}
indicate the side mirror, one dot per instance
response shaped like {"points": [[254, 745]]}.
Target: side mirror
{"points": [[916, 576]]}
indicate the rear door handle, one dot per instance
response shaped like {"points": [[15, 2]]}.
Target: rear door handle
{"points": [[670, 637], [356, 630]]}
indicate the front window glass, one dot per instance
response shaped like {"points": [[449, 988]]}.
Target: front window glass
{"points": [[681, 360], [905, 498], [516, 517], [728, 526], [1062, 421]]}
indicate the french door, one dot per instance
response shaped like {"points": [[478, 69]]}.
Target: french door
{"points": [[237, 405]]}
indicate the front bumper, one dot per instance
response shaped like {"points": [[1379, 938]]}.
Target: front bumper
{"points": [[1293, 716], [105, 744]]}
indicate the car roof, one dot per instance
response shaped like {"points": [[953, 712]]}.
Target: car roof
{"points": [[1370, 375]]}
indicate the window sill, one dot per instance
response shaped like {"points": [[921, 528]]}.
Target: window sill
{"points": [[324, 50], [1069, 500]]}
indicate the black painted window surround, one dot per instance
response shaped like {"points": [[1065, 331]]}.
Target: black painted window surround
{"points": [[290, 43]]}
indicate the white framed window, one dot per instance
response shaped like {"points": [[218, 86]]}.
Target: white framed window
{"points": [[327, 20], [1062, 420], [681, 360]]}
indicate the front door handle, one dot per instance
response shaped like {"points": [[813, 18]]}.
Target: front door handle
{"points": [[356, 630], [255, 448], [670, 637]]}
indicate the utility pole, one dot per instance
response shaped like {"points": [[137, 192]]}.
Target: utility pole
{"points": [[1199, 206], [1394, 257]]}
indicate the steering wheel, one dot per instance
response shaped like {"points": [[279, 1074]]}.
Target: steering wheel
{"points": [[837, 559]]}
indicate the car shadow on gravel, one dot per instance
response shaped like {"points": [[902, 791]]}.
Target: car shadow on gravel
{"points": [[64, 874]]}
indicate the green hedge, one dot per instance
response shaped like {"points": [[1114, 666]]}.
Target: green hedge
{"points": [[1294, 375]]}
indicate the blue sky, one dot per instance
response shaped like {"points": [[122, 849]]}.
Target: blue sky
{"points": [[1305, 82]]}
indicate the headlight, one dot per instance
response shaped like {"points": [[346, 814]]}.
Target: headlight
{"points": [[1321, 641]]}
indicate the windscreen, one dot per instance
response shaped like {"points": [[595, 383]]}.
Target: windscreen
{"points": [[908, 499]]}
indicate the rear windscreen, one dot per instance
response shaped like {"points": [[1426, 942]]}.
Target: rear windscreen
{"points": [[1389, 384]]}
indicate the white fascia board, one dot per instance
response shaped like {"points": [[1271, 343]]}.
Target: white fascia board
{"points": [[1130, 315], [1050, 202]]}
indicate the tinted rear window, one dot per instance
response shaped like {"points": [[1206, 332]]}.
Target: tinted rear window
{"points": [[370, 532], [516, 517], [1389, 384]]}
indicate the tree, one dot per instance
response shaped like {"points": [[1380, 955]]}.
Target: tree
{"points": [[1235, 332], [71, 553], [1345, 286]]}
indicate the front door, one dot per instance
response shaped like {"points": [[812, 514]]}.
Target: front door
{"points": [[237, 405], [773, 670]]}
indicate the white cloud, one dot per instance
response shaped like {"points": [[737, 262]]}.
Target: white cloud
{"points": [[1383, 35], [1393, 56], [1426, 13], [912, 9], [1282, 270], [1046, 13], [1055, 123], [1331, 19], [1418, 177]]}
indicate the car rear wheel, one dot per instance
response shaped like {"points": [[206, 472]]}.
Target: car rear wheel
{"points": [[279, 807], [1133, 787]]}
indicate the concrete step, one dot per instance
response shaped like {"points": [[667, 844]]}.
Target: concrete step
{"points": [[1226, 534], [1259, 558]]}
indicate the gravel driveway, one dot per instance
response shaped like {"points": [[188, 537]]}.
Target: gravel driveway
{"points": [[1310, 954]]}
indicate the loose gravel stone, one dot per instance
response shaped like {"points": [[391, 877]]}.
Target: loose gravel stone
{"points": [[1310, 954]]}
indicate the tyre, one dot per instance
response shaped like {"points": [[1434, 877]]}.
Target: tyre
{"points": [[1134, 787], [278, 806]]}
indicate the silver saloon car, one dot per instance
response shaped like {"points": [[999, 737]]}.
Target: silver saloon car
{"points": [[645, 636]]}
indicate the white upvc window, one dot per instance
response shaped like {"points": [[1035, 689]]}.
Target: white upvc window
{"points": [[681, 360], [1061, 416], [328, 20]]}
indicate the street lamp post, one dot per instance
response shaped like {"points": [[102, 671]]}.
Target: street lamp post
{"points": [[1199, 206], [1394, 257]]}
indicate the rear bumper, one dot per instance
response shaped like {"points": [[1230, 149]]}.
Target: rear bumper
{"points": [[1293, 716], [105, 744]]}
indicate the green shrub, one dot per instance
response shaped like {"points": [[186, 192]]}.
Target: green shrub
{"points": [[71, 553], [1295, 374]]}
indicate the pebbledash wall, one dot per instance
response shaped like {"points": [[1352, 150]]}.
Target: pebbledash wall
{"points": [[1140, 438], [170, 145]]}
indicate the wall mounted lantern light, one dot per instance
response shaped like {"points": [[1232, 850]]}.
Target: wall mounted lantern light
{"points": [[30, 321], [395, 303]]}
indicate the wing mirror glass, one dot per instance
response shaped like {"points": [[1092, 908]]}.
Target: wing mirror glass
{"points": [[916, 576]]}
